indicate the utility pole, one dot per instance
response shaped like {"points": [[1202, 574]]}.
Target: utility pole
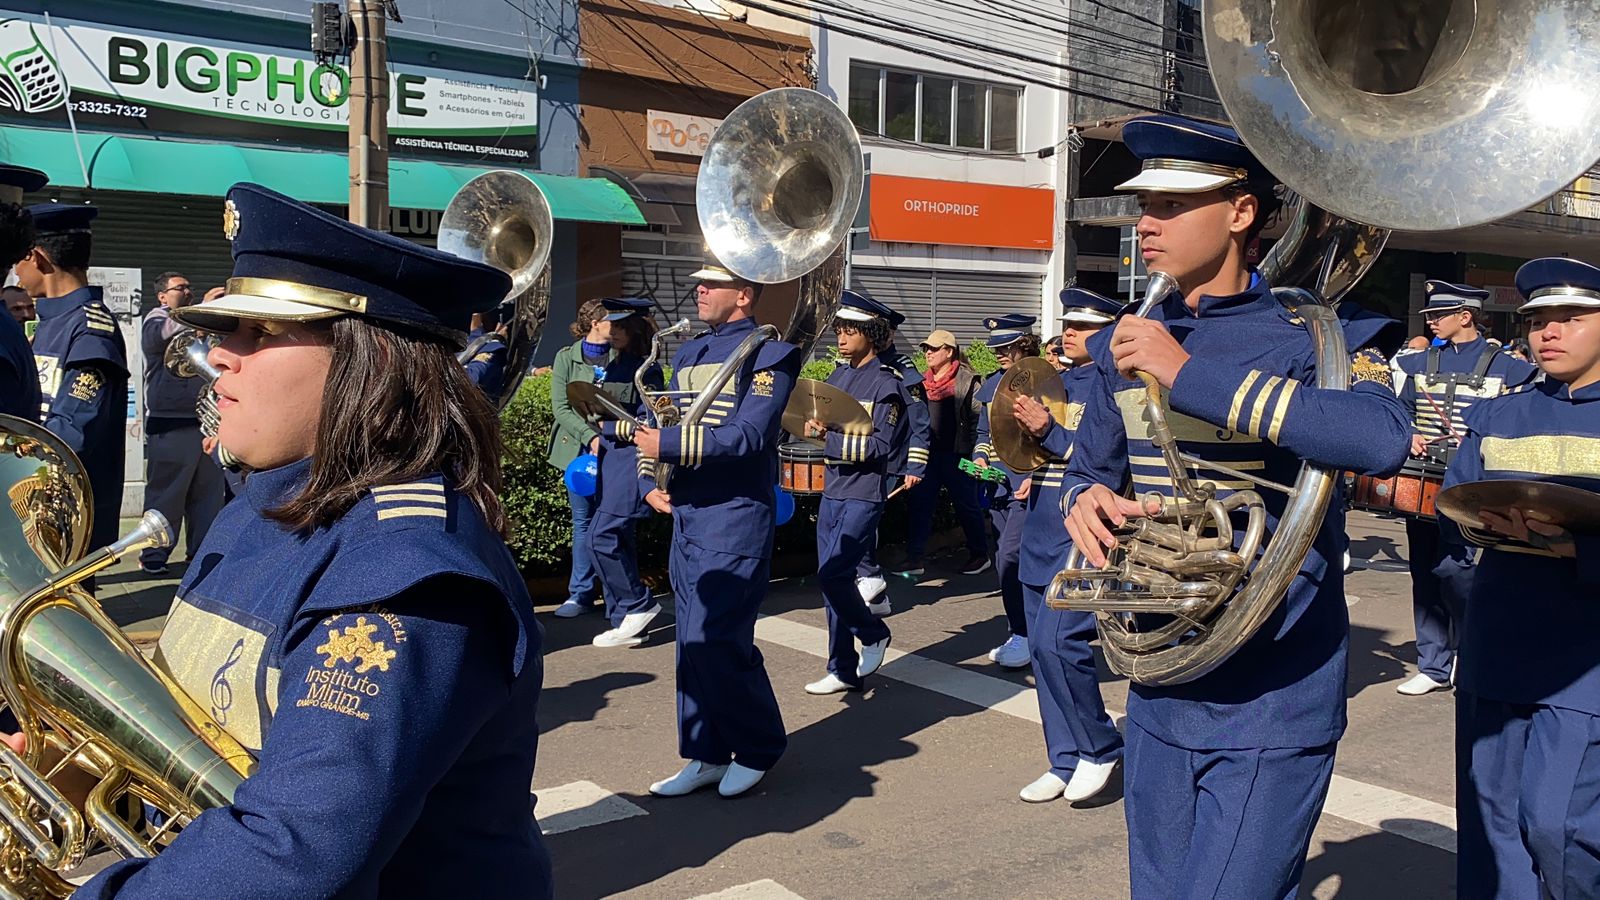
{"points": [[369, 115]]}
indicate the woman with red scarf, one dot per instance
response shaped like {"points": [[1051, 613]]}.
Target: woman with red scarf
{"points": [[951, 387]]}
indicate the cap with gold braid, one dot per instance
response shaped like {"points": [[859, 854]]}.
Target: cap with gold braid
{"points": [[1185, 156], [295, 263]]}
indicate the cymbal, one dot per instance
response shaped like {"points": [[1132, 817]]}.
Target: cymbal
{"points": [[1032, 377], [1571, 508], [591, 402], [827, 404]]}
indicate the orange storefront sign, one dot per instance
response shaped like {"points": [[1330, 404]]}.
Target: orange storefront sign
{"points": [[927, 211]]}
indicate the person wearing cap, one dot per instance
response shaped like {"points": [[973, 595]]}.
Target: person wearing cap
{"points": [[1440, 386], [1227, 772], [359, 625], [910, 461], [1528, 695], [485, 353], [1082, 745], [19, 373], [1007, 499], [855, 488], [722, 497], [80, 354], [584, 360], [950, 388], [624, 478]]}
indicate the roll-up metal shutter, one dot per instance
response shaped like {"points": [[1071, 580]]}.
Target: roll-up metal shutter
{"points": [[659, 263], [908, 292], [955, 301], [962, 300]]}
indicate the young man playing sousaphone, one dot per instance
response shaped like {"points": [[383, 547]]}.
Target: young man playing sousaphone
{"points": [[1227, 772], [1528, 694], [855, 488]]}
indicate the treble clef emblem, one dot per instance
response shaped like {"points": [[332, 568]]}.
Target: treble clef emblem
{"points": [[221, 690]]}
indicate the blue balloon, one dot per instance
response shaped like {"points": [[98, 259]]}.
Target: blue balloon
{"points": [[583, 475], [785, 508]]}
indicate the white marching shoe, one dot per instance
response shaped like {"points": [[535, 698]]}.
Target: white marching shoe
{"points": [[739, 779], [1045, 788], [1088, 779], [830, 684], [629, 633], [874, 591], [1420, 684], [691, 778], [1013, 654], [872, 657]]}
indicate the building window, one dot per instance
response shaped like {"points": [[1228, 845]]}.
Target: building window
{"points": [[935, 110]]}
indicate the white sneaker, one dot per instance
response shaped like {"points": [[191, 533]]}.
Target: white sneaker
{"points": [[691, 778], [571, 609], [872, 658], [881, 608], [739, 779], [1420, 684], [634, 624], [870, 586], [1045, 788], [829, 684], [1013, 654], [1088, 779]]}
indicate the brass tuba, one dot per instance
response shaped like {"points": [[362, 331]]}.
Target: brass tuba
{"points": [[778, 188], [502, 219], [81, 692], [1377, 115]]}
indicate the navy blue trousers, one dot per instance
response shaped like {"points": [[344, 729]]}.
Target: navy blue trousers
{"points": [[844, 529], [616, 561], [1076, 725], [726, 708], [1528, 801], [1008, 517], [1441, 579], [944, 471], [185, 484], [1220, 823]]}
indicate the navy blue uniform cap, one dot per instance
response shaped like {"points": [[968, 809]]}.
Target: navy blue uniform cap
{"points": [[1185, 156], [856, 306], [1084, 307], [1444, 296], [623, 307], [1558, 281], [62, 218], [295, 263], [18, 180], [1008, 328]]}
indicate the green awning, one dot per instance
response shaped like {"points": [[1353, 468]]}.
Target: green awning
{"points": [[152, 165]]}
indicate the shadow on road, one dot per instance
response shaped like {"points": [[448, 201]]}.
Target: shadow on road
{"points": [[1373, 865]]}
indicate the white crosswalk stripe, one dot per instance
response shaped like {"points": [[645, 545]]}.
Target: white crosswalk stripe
{"points": [[1364, 804], [765, 889], [580, 805]]}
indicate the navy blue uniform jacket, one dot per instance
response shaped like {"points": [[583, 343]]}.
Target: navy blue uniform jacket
{"points": [[19, 376], [859, 465], [386, 672], [1246, 398]]}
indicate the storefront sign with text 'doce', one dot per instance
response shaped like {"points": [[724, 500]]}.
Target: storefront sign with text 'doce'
{"points": [[928, 211], [669, 132]]}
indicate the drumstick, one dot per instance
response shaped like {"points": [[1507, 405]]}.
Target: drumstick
{"points": [[897, 490]]}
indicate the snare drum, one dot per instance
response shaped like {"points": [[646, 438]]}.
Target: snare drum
{"points": [[1409, 493], [801, 465]]}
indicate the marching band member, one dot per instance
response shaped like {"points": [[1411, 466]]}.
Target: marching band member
{"points": [[1081, 741], [1227, 773], [82, 360], [624, 480], [855, 486], [1528, 692], [358, 623], [1440, 386], [19, 374], [910, 463], [1007, 503], [722, 504], [486, 348]]}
